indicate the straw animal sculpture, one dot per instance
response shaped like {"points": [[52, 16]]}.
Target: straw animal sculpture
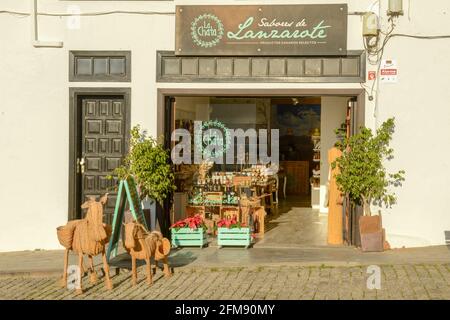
{"points": [[143, 245], [87, 236]]}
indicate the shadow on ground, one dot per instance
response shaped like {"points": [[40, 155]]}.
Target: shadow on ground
{"points": [[177, 258]]}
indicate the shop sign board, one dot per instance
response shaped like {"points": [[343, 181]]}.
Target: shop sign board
{"points": [[281, 30], [389, 71]]}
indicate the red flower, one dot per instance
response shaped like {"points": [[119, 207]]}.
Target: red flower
{"points": [[228, 223], [178, 224], [191, 222]]}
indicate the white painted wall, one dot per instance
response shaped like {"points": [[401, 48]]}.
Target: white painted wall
{"points": [[333, 112], [35, 99], [34, 112], [419, 103]]}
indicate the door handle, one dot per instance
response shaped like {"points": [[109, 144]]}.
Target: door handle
{"points": [[80, 165]]}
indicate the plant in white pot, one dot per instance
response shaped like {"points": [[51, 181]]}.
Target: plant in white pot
{"points": [[364, 178]]}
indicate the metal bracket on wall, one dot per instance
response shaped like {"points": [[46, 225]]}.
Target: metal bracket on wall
{"points": [[35, 31]]}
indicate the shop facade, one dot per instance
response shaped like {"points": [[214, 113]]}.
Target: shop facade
{"points": [[74, 87]]}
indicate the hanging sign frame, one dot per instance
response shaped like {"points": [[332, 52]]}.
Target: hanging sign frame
{"points": [[273, 30]]}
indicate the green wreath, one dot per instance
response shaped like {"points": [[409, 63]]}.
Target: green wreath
{"points": [[200, 42], [212, 124]]}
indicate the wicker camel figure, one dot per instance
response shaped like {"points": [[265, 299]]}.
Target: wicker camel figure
{"points": [[87, 236], [143, 245]]}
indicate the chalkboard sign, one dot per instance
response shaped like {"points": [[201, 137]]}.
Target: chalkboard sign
{"points": [[127, 194]]}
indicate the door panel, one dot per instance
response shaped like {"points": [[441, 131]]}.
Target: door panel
{"points": [[297, 173], [102, 147]]}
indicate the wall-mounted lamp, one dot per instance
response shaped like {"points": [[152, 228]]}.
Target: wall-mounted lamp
{"points": [[395, 8]]}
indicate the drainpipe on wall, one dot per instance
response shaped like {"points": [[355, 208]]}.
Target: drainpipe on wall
{"points": [[377, 79], [35, 31]]}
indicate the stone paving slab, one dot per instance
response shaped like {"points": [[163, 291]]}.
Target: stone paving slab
{"points": [[417, 282], [41, 263]]}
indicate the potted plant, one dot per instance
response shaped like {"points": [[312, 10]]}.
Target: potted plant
{"points": [[233, 233], [148, 162], [364, 178], [189, 232]]}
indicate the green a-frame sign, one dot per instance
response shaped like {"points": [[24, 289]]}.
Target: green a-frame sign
{"points": [[127, 193]]}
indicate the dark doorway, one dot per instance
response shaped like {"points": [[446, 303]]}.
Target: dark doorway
{"points": [[99, 140]]}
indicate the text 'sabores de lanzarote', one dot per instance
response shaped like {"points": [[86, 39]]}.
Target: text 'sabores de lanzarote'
{"points": [[178, 151]]}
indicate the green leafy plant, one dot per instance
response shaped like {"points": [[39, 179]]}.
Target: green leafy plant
{"points": [[341, 133], [148, 162], [362, 174]]}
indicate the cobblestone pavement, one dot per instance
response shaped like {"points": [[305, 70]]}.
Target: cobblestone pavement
{"points": [[431, 281]]}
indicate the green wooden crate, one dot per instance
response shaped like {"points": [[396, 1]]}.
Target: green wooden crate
{"points": [[234, 237], [187, 237]]}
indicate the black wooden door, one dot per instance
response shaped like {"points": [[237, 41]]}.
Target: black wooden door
{"points": [[103, 144]]}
